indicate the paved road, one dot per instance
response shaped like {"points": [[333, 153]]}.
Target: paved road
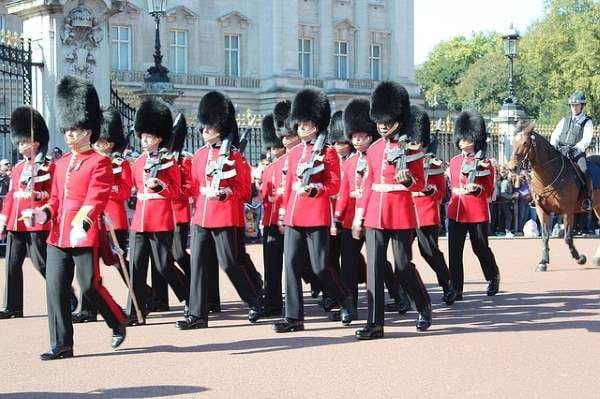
{"points": [[537, 338]]}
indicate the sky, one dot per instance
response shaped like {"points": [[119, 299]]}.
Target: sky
{"points": [[438, 20]]}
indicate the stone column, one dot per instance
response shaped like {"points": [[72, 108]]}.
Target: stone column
{"points": [[284, 27], [400, 60], [361, 13], [326, 70], [507, 119]]}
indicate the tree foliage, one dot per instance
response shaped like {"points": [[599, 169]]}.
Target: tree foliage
{"points": [[558, 54]]}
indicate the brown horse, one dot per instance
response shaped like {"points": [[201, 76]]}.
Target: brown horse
{"points": [[554, 186]]}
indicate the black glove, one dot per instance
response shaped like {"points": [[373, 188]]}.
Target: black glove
{"points": [[565, 150]]}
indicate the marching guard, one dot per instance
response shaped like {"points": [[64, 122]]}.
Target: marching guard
{"points": [[386, 208], [80, 189], [156, 179], [472, 183], [313, 176], [221, 184]]}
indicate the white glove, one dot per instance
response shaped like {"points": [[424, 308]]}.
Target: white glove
{"points": [[77, 235], [31, 216]]}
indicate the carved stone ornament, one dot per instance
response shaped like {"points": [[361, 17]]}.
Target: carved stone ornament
{"points": [[81, 34]]}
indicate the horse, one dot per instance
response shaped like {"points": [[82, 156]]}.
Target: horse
{"points": [[555, 187]]}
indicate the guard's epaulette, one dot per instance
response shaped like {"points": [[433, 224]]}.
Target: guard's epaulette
{"points": [[435, 161], [413, 146], [186, 154], [485, 163], [118, 160]]}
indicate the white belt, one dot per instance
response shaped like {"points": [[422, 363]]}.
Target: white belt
{"points": [[385, 188], [279, 190], [22, 194], [356, 193], [149, 196]]}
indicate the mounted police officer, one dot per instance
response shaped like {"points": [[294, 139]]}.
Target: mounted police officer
{"points": [[572, 136]]}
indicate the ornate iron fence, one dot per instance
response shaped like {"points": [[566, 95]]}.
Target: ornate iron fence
{"points": [[15, 85]]}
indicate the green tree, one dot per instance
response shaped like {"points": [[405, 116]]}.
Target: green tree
{"points": [[559, 54], [440, 74], [484, 85]]}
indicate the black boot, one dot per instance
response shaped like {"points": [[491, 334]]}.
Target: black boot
{"points": [[449, 293], [586, 204], [57, 352], [347, 311], [10, 314], [85, 316], [118, 336], [424, 320], [191, 322], [288, 325], [494, 286], [368, 332]]}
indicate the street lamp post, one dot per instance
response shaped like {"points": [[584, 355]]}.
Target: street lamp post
{"points": [[157, 72], [510, 39]]}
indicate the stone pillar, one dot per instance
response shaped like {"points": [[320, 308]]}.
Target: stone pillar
{"points": [[71, 38], [401, 52], [507, 119], [283, 29], [361, 12], [326, 70]]}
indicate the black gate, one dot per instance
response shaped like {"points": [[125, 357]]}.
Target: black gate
{"points": [[15, 85]]}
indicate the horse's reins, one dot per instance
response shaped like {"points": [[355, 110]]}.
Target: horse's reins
{"points": [[526, 164]]}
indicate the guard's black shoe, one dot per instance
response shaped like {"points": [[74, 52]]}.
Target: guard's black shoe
{"points": [[73, 301], [424, 320], [214, 308], [288, 325], [255, 313], [328, 303], [347, 312], [57, 352], [84, 316], [449, 294], [118, 336], [494, 286], [370, 331], [335, 315], [10, 314], [191, 322]]}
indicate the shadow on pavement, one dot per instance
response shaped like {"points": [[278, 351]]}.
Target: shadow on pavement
{"points": [[154, 391]]}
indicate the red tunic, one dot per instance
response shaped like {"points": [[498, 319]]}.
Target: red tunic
{"points": [[351, 189], [386, 204], [273, 185], [181, 205], [305, 211], [469, 208], [81, 187], [428, 205], [121, 191], [16, 198], [212, 213], [154, 211]]}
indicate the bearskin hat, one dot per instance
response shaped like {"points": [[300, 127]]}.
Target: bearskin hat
{"points": [[281, 118], [270, 138], [420, 126], [311, 104], [390, 103], [20, 126], [470, 126], [180, 131], [77, 106], [216, 110], [112, 129], [357, 119], [154, 117], [336, 128]]}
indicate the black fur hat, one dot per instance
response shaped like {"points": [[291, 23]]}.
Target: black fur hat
{"points": [[313, 105], [77, 106], [390, 103], [216, 110], [420, 126], [154, 116], [281, 119], [20, 126], [112, 129], [270, 139], [470, 126], [180, 131], [336, 128], [357, 119]]}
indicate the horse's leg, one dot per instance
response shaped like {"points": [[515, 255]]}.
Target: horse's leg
{"points": [[544, 219], [596, 260], [569, 220]]}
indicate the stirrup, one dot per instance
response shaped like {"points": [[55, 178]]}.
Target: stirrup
{"points": [[586, 205]]}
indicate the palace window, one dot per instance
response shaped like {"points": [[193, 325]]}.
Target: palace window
{"points": [[375, 61], [232, 55], [305, 57], [121, 47], [178, 56], [341, 60]]}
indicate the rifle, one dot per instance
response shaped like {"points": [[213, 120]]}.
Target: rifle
{"points": [[308, 169], [244, 140], [472, 170], [216, 168], [398, 155]]}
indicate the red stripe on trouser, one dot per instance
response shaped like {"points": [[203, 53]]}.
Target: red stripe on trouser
{"points": [[102, 291]]}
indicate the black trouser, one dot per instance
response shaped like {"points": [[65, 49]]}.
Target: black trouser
{"points": [[457, 232], [427, 239], [314, 241], [122, 238], [225, 241], [19, 244], [273, 261], [350, 257], [377, 243], [160, 244], [247, 260], [60, 270]]}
